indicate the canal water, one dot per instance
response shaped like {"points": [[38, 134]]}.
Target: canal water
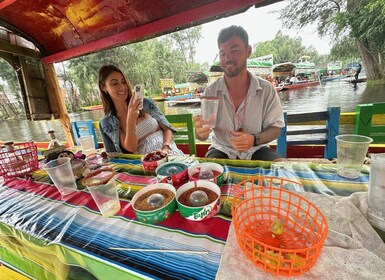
{"points": [[317, 98]]}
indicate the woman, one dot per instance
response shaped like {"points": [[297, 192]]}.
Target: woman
{"points": [[125, 128]]}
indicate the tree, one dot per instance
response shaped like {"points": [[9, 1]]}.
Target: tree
{"points": [[344, 20], [186, 41], [284, 49]]}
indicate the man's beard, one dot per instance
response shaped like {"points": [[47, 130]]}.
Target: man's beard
{"points": [[234, 72]]}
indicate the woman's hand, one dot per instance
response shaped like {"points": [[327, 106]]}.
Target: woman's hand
{"points": [[133, 107], [202, 130]]}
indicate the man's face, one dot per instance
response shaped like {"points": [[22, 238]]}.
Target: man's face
{"points": [[233, 56]]}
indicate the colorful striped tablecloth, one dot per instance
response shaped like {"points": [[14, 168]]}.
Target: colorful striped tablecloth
{"points": [[46, 236]]}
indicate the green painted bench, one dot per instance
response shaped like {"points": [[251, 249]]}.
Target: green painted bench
{"points": [[364, 124]]}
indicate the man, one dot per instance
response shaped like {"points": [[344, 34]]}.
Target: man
{"points": [[249, 114], [358, 71]]}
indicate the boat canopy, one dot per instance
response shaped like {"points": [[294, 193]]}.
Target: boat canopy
{"points": [[285, 67], [36, 34], [61, 30], [251, 64]]}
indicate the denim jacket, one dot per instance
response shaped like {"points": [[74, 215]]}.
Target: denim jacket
{"points": [[109, 125]]}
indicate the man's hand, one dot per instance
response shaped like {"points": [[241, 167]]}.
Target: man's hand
{"points": [[202, 130], [241, 141]]}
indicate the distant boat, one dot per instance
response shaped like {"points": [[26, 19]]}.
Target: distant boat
{"points": [[354, 81], [180, 96], [303, 68], [187, 101], [330, 78], [299, 85], [93, 107]]}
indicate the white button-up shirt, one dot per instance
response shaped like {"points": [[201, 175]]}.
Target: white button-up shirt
{"points": [[263, 109]]}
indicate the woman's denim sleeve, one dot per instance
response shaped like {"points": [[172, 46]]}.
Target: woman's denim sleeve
{"points": [[109, 145]]}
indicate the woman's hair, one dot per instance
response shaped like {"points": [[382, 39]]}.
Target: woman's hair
{"points": [[108, 104]]}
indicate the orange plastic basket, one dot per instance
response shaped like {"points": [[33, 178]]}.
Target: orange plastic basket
{"points": [[261, 203], [19, 162]]}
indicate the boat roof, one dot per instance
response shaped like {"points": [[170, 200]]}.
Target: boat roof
{"points": [[251, 63], [63, 29], [284, 67]]}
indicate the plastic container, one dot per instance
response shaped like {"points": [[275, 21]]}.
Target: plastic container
{"points": [[209, 107], [278, 230], [18, 159], [199, 213], [152, 161], [351, 152], [88, 144], [157, 215], [376, 194], [200, 172], [61, 174], [101, 184], [174, 173]]}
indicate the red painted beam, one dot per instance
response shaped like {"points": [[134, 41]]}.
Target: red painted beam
{"points": [[171, 24], [6, 3]]}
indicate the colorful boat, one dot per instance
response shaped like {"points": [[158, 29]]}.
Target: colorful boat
{"points": [[285, 71], [93, 107], [186, 101]]}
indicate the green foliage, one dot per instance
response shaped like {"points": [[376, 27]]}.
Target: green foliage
{"points": [[357, 26], [169, 56], [284, 49]]}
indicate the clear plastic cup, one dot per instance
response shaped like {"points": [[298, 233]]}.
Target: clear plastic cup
{"points": [[101, 184], [87, 142], [376, 194], [351, 152], [209, 107], [60, 172]]}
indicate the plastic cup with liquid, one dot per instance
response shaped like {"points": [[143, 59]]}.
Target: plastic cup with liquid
{"points": [[209, 107], [351, 152], [61, 174], [376, 194], [101, 184]]}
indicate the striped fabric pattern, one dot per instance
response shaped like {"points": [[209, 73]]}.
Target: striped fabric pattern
{"points": [[46, 236]]}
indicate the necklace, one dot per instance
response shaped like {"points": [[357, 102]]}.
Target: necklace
{"points": [[241, 123]]}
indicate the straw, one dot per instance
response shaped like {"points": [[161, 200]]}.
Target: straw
{"points": [[159, 250]]}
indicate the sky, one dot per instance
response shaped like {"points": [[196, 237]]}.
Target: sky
{"points": [[261, 24]]}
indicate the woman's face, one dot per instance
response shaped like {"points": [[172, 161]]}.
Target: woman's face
{"points": [[116, 86]]}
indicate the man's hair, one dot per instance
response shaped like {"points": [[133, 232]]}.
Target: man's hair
{"points": [[234, 30]]}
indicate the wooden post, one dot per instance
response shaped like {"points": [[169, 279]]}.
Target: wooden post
{"points": [[54, 88]]}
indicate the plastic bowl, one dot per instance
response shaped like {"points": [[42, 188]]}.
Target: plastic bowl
{"points": [[157, 215], [174, 173], [152, 161], [202, 212], [217, 169]]}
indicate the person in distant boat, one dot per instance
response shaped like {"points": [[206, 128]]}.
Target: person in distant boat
{"points": [[249, 114], [126, 127], [358, 71]]}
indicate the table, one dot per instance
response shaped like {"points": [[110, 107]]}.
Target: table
{"points": [[46, 236]]}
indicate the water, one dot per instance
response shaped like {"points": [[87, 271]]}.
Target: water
{"points": [[317, 98]]}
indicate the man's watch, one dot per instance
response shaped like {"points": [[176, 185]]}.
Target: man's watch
{"points": [[256, 140]]}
